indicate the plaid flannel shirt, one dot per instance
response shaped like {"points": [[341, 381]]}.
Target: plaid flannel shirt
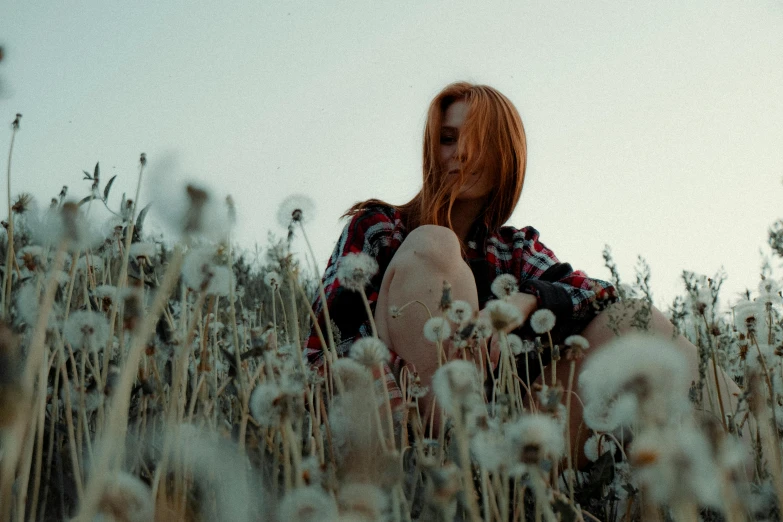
{"points": [[378, 231]]}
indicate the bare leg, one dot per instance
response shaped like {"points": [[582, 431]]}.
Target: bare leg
{"points": [[428, 256], [598, 333]]}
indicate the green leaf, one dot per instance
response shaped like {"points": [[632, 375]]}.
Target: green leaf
{"points": [[87, 175], [562, 507], [140, 218], [108, 188], [85, 200], [97, 171]]}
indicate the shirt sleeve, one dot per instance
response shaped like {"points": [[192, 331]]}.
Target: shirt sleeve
{"points": [[375, 232], [570, 294]]}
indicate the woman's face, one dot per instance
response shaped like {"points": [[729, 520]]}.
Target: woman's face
{"points": [[477, 185]]}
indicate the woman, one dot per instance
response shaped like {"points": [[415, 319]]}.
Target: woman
{"points": [[474, 161]]}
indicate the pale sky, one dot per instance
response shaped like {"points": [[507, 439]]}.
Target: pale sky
{"points": [[654, 127]]}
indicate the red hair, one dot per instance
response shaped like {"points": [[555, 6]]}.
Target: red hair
{"points": [[492, 139]]}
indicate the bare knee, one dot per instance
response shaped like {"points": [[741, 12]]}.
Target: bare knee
{"points": [[435, 245], [625, 317]]}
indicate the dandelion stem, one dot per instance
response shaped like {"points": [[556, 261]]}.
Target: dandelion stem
{"points": [[321, 294], [465, 465], [9, 253], [392, 443], [571, 473], [369, 313]]}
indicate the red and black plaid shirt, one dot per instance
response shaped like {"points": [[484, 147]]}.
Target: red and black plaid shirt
{"points": [[379, 231]]}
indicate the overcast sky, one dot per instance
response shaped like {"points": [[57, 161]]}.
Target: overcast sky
{"points": [[654, 127]]}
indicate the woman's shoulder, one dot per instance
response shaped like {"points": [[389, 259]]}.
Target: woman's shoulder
{"points": [[511, 235], [372, 212]]}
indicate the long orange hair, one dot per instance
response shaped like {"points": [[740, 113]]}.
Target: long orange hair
{"points": [[492, 138]]}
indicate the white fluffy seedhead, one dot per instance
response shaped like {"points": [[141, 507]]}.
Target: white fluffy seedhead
{"points": [[457, 386], [370, 352], [125, 497], [460, 312], [542, 321], [535, 438], [769, 291], [503, 314], [352, 374], [635, 379], [504, 285], [355, 270], [749, 315], [674, 465], [364, 500], [272, 279], [268, 404], [437, 329], [597, 445], [517, 346], [490, 448], [577, 341], [309, 504], [202, 270], [86, 330], [296, 208]]}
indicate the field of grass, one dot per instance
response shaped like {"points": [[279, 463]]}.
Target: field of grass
{"points": [[142, 380]]}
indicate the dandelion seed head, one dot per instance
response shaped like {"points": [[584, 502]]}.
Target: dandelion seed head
{"points": [[702, 300], [504, 285], [355, 270], [108, 292], [416, 390], [92, 398], [310, 504], [296, 208], [769, 291], [674, 464], [515, 344], [503, 314], [32, 256], [483, 329], [748, 315], [53, 225], [577, 341], [460, 312], [437, 329], [596, 445], [86, 329], [201, 271], [352, 374], [268, 404], [28, 304], [490, 448], [91, 264], [272, 280], [126, 498], [457, 385], [764, 352], [542, 321], [146, 251], [365, 500], [370, 352], [635, 378], [536, 437]]}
